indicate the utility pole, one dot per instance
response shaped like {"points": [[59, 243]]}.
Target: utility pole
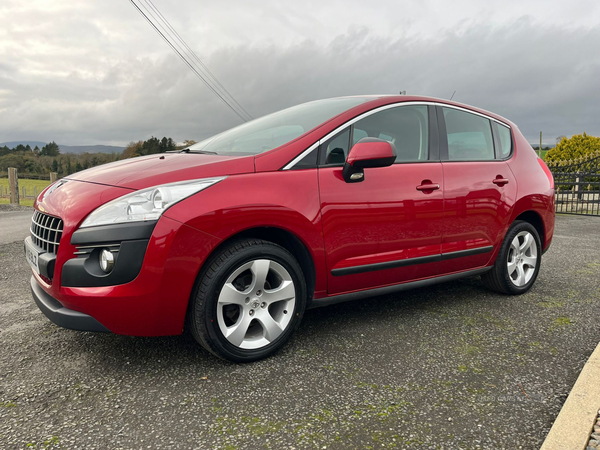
{"points": [[540, 149]]}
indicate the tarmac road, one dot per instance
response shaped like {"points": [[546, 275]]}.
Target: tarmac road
{"points": [[453, 366], [14, 225]]}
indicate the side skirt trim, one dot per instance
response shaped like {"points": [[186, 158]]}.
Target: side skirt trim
{"points": [[470, 252], [317, 303], [409, 262]]}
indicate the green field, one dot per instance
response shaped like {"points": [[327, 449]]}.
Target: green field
{"points": [[29, 188]]}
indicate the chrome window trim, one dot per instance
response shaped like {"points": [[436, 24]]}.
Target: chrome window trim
{"points": [[472, 112], [293, 162]]}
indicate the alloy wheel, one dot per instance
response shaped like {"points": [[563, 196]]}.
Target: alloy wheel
{"points": [[256, 304], [522, 258]]}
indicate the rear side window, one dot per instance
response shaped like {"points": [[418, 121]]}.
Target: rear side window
{"points": [[505, 141], [469, 136]]}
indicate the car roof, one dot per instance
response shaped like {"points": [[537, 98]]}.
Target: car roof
{"points": [[383, 99]]}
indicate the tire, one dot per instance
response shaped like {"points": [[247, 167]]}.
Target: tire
{"points": [[235, 313], [513, 272]]}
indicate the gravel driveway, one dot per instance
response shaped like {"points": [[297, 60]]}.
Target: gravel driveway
{"points": [[448, 367]]}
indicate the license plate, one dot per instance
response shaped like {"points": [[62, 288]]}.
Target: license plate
{"points": [[32, 254]]}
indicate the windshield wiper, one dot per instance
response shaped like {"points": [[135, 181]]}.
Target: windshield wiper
{"points": [[204, 152]]}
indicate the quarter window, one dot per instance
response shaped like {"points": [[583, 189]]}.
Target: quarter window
{"points": [[469, 136], [308, 162], [336, 148], [505, 141]]}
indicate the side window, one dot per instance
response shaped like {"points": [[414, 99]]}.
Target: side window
{"points": [[505, 141], [469, 136], [404, 126], [336, 148], [357, 135]]}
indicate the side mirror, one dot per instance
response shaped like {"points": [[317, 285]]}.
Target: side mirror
{"points": [[368, 152]]}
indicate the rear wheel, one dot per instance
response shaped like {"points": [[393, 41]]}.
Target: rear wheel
{"points": [[248, 302], [518, 263]]}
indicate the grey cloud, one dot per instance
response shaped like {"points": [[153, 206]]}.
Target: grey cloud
{"points": [[542, 78]]}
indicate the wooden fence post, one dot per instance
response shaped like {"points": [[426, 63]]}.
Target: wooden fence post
{"points": [[13, 183], [53, 177], [24, 193], [35, 192]]}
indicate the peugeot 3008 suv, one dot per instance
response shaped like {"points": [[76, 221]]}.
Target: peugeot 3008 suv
{"points": [[234, 237]]}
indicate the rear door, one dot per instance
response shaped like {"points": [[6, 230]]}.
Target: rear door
{"points": [[385, 229], [479, 188]]}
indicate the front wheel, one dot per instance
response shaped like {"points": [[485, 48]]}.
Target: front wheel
{"points": [[518, 262], [248, 302]]}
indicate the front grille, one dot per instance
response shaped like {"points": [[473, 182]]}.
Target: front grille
{"points": [[46, 231]]}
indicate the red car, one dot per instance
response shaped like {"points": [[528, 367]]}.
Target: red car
{"points": [[332, 200]]}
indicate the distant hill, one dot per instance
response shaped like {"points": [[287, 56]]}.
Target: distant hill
{"points": [[32, 144], [69, 148], [90, 149], [535, 145]]}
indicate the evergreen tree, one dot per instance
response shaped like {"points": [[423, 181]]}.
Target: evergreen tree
{"points": [[151, 146], [166, 145], [50, 149]]}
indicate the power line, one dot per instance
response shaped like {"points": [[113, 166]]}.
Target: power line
{"points": [[181, 53], [206, 72], [184, 59], [206, 69]]}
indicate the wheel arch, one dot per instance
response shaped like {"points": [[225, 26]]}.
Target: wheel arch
{"points": [[286, 239], [535, 219]]}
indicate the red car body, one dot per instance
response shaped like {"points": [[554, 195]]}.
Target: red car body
{"points": [[331, 226]]}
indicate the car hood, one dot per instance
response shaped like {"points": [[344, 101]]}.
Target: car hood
{"points": [[146, 171]]}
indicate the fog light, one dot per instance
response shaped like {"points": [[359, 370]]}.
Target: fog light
{"points": [[107, 261]]}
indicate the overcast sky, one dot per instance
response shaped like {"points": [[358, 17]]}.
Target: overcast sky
{"points": [[91, 72]]}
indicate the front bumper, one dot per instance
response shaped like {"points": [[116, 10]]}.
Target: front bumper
{"points": [[64, 317], [153, 303]]}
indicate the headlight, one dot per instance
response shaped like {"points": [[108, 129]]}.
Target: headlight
{"points": [[146, 204]]}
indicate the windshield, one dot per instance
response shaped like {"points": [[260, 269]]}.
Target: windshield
{"points": [[274, 130]]}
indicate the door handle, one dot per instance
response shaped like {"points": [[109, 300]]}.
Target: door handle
{"points": [[428, 187], [500, 181]]}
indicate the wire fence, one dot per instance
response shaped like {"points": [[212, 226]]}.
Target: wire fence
{"points": [[28, 176], [11, 189], [24, 192]]}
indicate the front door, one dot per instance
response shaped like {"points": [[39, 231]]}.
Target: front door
{"points": [[386, 229]]}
